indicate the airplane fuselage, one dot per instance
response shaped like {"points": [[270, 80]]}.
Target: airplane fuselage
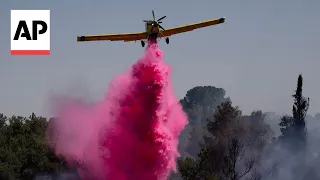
{"points": [[152, 31]]}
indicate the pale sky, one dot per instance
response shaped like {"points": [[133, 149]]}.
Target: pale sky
{"points": [[256, 56]]}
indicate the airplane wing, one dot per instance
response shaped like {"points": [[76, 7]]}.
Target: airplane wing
{"points": [[190, 27], [114, 37]]}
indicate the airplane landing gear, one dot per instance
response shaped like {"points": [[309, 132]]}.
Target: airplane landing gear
{"points": [[143, 43], [167, 40]]}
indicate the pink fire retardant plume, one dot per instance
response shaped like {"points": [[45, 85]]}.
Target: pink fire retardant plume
{"points": [[132, 134]]}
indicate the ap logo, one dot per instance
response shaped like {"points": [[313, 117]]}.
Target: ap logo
{"points": [[30, 32]]}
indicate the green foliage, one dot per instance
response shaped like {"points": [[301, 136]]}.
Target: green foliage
{"points": [[202, 95], [194, 169], [23, 149], [202, 99], [199, 103], [224, 115], [188, 168], [218, 135], [225, 149], [286, 122]]}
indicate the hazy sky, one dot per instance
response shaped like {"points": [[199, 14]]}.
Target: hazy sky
{"points": [[256, 56]]}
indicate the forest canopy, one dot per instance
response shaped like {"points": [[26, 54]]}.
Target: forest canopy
{"points": [[218, 143]]}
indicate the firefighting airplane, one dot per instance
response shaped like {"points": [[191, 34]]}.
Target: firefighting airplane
{"points": [[152, 32]]}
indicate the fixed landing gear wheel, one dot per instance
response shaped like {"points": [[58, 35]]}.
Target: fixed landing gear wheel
{"points": [[142, 43], [167, 40]]}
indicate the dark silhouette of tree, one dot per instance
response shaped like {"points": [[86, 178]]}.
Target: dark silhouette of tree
{"points": [[234, 156], [199, 103], [224, 155], [293, 128]]}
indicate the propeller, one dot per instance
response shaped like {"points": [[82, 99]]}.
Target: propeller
{"points": [[161, 18], [161, 27], [153, 15], [157, 22], [154, 21]]}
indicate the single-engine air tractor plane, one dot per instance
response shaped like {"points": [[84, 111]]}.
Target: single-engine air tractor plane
{"points": [[152, 32]]}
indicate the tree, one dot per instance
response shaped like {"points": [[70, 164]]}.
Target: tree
{"points": [[294, 132], [233, 157], [188, 168], [199, 103], [226, 154], [293, 128], [23, 148], [204, 99]]}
